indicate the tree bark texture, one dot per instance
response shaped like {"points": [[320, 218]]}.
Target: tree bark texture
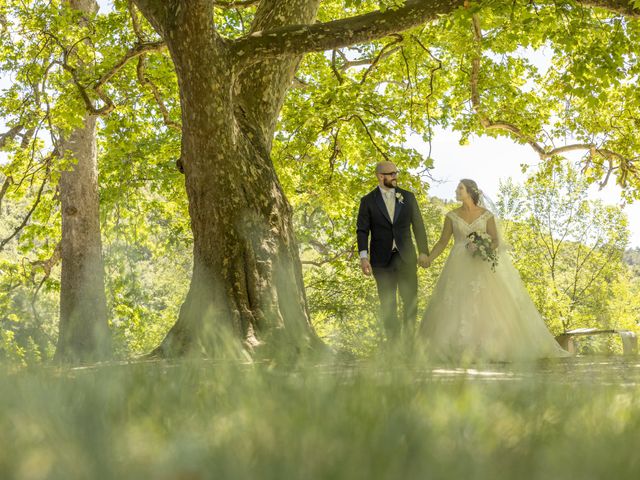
{"points": [[83, 332], [247, 277]]}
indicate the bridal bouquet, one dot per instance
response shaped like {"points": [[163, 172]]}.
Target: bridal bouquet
{"points": [[480, 244]]}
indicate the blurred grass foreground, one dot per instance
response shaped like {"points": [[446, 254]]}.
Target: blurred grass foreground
{"points": [[573, 419]]}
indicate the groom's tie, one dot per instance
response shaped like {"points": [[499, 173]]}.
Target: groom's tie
{"points": [[390, 202]]}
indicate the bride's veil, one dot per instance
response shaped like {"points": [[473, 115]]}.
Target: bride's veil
{"points": [[486, 202]]}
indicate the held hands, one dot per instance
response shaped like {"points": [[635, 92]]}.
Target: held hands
{"points": [[365, 266], [424, 260]]}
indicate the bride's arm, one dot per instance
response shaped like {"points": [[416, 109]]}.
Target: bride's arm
{"points": [[447, 231], [492, 230]]}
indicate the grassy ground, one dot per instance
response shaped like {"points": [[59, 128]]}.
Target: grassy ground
{"points": [[573, 419]]}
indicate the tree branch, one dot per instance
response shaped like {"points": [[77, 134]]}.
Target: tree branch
{"points": [[335, 151], [135, 22], [623, 7], [432, 75], [334, 68], [383, 53], [144, 81], [369, 61], [26, 137], [64, 63], [5, 186], [140, 69], [32, 209], [109, 105], [299, 39], [384, 155], [328, 259], [595, 275], [47, 265], [236, 4], [157, 12], [9, 135], [134, 52]]}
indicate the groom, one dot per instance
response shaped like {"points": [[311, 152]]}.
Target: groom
{"points": [[388, 214]]}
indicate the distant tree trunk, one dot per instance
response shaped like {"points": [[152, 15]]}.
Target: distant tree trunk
{"points": [[83, 333]]}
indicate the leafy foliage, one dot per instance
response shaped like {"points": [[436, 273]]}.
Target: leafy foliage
{"points": [[569, 251]]}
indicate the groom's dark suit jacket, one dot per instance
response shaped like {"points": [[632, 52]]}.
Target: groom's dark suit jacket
{"points": [[373, 218]]}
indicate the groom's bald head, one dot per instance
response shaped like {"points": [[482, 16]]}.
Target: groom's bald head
{"points": [[385, 167], [387, 174]]}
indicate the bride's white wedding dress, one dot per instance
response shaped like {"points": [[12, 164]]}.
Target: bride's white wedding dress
{"points": [[476, 313]]}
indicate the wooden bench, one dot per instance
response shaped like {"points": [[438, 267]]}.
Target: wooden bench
{"points": [[629, 339]]}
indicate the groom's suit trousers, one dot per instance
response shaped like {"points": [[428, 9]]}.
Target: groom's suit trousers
{"points": [[396, 277]]}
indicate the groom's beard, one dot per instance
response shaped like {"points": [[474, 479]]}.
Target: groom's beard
{"points": [[390, 183]]}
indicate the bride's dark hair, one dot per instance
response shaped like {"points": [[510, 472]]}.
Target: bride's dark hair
{"points": [[472, 189]]}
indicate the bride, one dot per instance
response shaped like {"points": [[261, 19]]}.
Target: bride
{"points": [[480, 309]]}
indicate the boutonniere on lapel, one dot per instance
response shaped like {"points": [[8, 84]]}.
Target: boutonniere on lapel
{"points": [[400, 198]]}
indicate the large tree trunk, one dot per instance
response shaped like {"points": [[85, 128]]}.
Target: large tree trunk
{"points": [[83, 333], [247, 278]]}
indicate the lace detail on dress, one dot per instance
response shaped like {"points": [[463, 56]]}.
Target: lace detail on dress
{"points": [[457, 218], [461, 228]]}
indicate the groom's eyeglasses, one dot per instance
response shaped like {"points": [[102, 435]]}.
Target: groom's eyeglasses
{"points": [[393, 174]]}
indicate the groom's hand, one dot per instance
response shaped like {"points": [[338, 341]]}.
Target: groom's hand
{"points": [[365, 266], [423, 260]]}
